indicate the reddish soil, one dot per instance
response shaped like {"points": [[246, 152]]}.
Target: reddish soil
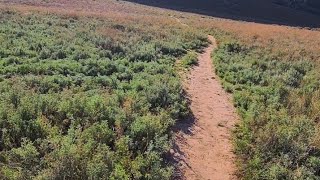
{"points": [[204, 150]]}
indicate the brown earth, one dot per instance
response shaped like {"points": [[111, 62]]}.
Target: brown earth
{"points": [[204, 151]]}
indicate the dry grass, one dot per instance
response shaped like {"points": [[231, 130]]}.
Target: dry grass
{"points": [[292, 43], [154, 19]]}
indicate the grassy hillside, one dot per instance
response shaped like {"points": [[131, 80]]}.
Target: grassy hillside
{"points": [[272, 72], [88, 97], [279, 104], [89, 89], [284, 12]]}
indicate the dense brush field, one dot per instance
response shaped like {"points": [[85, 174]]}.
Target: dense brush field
{"points": [[93, 91], [279, 104], [88, 97]]}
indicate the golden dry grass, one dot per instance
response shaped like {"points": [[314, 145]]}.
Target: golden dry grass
{"points": [[291, 42], [287, 42]]}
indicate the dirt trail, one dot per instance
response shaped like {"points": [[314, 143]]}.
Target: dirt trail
{"points": [[204, 148]]}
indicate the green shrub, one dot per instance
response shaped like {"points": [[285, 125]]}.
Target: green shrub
{"points": [[275, 138], [189, 59], [78, 103]]}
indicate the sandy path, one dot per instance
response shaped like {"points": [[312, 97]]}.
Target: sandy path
{"points": [[204, 149]]}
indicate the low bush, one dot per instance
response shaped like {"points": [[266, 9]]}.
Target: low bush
{"points": [[78, 103], [190, 59], [279, 108]]}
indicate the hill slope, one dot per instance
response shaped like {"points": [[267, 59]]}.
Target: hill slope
{"points": [[284, 12]]}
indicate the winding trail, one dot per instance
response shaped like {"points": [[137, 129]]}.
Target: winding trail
{"points": [[203, 146]]}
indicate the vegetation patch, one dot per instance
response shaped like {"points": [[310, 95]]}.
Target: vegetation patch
{"points": [[278, 101], [190, 59], [79, 102]]}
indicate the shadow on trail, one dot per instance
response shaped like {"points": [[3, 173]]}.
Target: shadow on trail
{"points": [[262, 11], [176, 156]]}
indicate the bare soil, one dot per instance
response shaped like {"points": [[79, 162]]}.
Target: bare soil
{"points": [[203, 146]]}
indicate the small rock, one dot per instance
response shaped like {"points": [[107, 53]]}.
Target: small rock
{"points": [[177, 155], [221, 125], [171, 151]]}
